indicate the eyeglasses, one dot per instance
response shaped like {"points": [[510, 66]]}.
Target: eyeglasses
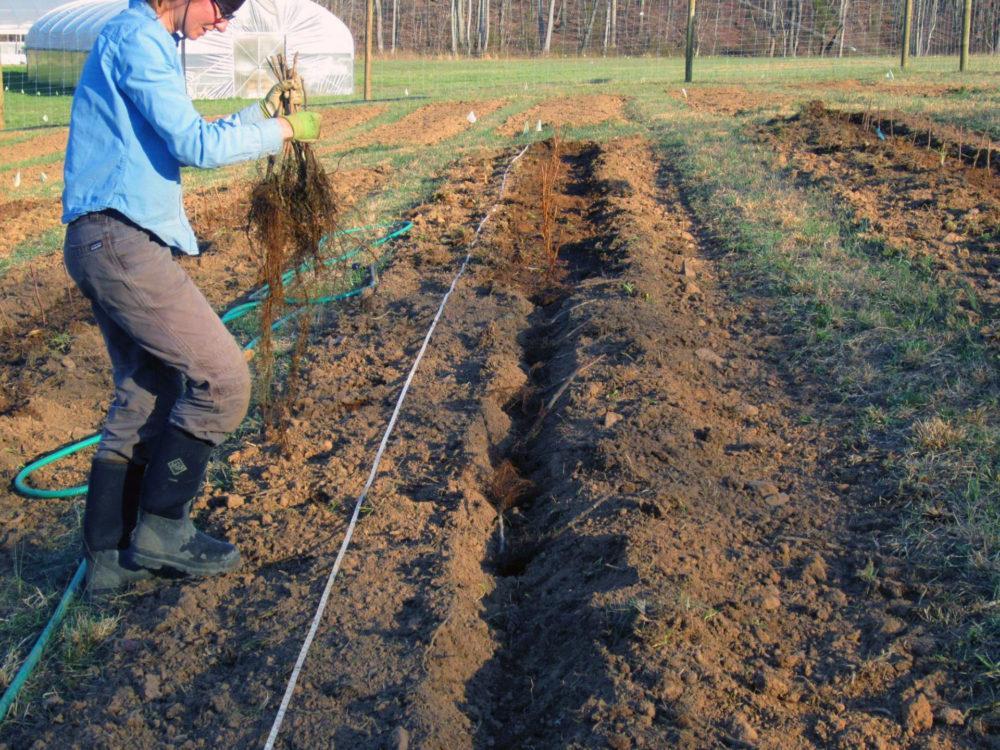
{"points": [[219, 15]]}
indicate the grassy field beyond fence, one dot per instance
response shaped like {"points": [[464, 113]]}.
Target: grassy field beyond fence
{"points": [[27, 106]]}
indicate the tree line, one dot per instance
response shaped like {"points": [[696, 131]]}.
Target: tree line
{"points": [[777, 28]]}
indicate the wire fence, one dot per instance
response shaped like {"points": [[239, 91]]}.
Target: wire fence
{"points": [[593, 41], [773, 28]]}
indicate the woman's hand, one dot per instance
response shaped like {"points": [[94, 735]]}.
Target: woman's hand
{"points": [[290, 91], [304, 126]]}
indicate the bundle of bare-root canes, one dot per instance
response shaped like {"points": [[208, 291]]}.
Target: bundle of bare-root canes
{"points": [[292, 209]]}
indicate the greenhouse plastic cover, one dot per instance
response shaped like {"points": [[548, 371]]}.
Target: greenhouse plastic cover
{"points": [[16, 16], [233, 63]]}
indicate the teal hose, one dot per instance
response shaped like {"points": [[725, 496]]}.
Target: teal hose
{"points": [[68, 450], [257, 298], [11, 693], [236, 312]]}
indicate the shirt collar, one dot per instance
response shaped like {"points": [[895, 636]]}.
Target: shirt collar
{"points": [[147, 10]]}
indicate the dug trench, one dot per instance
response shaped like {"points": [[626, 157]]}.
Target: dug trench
{"points": [[675, 570], [674, 567]]}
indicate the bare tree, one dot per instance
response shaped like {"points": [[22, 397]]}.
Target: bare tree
{"points": [[607, 26], [613, 16], [504, 5], [843, 26], [589, 31], [395, 24], [547, 44]]}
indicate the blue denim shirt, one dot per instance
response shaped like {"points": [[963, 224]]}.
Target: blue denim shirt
{"points": [[132, 128]]}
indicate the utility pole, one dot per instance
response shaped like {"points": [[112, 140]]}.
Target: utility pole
{"points": [[689, 52], [904, 58], [369, 18], [963, 61]]}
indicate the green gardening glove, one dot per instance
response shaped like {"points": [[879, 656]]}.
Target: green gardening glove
{"points": [[305, 126]]}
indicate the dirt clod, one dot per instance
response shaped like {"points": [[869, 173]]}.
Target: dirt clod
{"points": [[151, 687], [918, 715], [707, 355], [400, 739], [950, 715], [743, 730], [770, 602], [814, 571], [763, 488]]}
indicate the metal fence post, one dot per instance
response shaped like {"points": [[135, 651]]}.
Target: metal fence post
{"points": [[1, 99], [689, 52], [963, 60], [904, 58]]}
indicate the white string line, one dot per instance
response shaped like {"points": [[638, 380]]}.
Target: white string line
{"points": [[307, 644]]}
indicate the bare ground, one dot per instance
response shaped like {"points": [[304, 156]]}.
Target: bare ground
{"points": [[569, 111], [677, 565]]}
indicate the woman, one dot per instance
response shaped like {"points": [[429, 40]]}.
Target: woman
{"points": [[181, 383]]}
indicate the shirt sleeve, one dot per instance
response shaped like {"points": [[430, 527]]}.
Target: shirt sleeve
{"points": [[251, 114], [246, 116], [149, 74]]}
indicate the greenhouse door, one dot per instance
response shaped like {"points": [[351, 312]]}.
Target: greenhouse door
{"points": [[251, 76]]}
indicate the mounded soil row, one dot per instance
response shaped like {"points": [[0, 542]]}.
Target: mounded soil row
{"points": [[49, 141], [567, 112], [909, 186], [601, 521], [429, 124]]}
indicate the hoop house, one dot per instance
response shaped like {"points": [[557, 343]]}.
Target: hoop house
{"points": [[217, 66], [16, 18]]}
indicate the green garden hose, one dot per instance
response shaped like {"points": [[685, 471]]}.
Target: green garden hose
{"points": [[256, 298]]}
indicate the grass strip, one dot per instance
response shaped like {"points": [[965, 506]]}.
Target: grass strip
{"points": [[892, 339], [38, 246]]}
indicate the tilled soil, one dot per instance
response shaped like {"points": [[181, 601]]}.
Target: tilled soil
{"points": [[429, 124], [54, 368], [601, 521], [24, 218], [337, 121], [729, 100], [49, 141], [570, 111], [910, 186]]}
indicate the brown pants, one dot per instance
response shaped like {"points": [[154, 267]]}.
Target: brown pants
{"points": [[173, 360]]}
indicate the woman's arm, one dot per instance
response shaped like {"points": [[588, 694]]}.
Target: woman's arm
{"points": [[149, 74]]}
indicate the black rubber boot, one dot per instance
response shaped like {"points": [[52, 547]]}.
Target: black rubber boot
{"points": [[108, 519], [109, 570], [165, 537]]}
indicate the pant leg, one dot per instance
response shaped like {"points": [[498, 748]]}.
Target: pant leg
{"points": [[140, 287], [146, 391]]}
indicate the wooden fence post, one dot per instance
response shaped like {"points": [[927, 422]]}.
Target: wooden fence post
{"points": [[904, 58], [369, 18], [689, 52], [963, 60]]}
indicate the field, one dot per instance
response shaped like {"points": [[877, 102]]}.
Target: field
{"points": [[704, 451]]}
